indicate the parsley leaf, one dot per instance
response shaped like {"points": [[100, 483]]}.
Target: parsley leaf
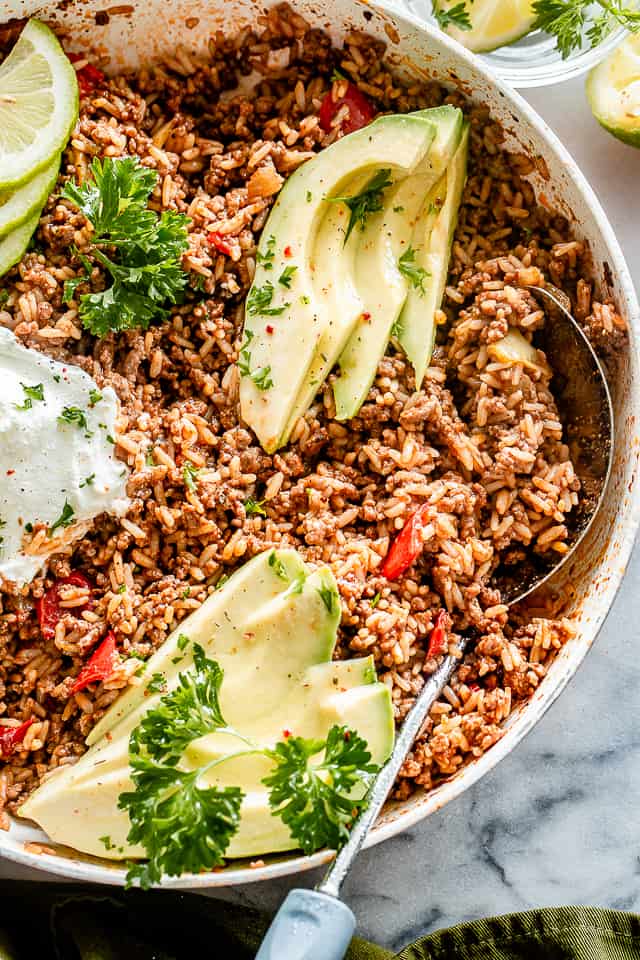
{"points": [[319, 802], [88, 481], [286, 276], [277, 566], [30, 394], [409, 268], [146, 269], [266, 259], [259, 301], [157, 683], [456, 16], [328, 597], [262, 375], [252, 506], [368, 201], [190, 475], [94, 397], [75, 415], [64, 520]]}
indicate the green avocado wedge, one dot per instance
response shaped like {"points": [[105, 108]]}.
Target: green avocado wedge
{"points": [[38, 106], [20, 205], [432, 238], [285, 316], [272, 629], [613, 91]]}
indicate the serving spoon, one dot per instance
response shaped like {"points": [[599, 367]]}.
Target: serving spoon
{"points": [[586, 412], [316, 924]]}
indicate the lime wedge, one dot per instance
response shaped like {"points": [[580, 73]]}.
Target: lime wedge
{"points": [[494, 23], [20, 205], [38, 104], [13, 246], [613, 89]]}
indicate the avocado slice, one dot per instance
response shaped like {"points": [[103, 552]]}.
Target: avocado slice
{"points": [[272, 628], [432, 239], [382, 285], [285, 318]]}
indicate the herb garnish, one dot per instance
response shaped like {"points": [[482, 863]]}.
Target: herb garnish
{"points": [[262, 375], [266, 259], [146, 269], [185, 826], [409, 268], [64, 520], [368, 201], [328, 597], [286, 276], [259, 300], [157, 683], [189, 476], [277, 566], [456, 16], [88, 481], [252, 506], [183, 641], [94, 397], [75, 415], [569, 20], [376, 600], [31, 394]]}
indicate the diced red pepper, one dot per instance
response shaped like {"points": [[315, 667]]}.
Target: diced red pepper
{"points": [[217, 240], [48, 607], [407, 546], [438, 636], [101, 665], [12, 737], [89, 77], [359, 113]]}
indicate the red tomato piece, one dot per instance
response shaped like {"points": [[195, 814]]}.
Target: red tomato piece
{"points": [[216, 240], [89, 77], [100, 666], [48, 607], [11, 737], [407, 546], [438, 636], [360, 111]]}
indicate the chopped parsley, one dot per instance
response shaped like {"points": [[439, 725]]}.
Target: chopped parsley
{"points": [[456, 16], [252, 506], [262, 375], [107, 842], [221, 582], [88, 481], [259, 301], [64, 520], [286, 276], [190, 475], [266, 259], [145, 269], [368, 201], [277, 566], [122, 588], [183, 641], [30, 394], [94, 397], [309, 196], [71, 415], [4, 296], [328, 597], [28, 527], [157, 683], [376, 600], [409, 268], [186, 593], [305, 299]]}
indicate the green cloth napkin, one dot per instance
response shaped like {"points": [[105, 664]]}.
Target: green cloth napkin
{"points": [[47, 921]]}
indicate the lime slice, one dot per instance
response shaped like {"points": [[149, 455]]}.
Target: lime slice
{"points": [[15, 243], [20, 205], [494, 23], [38, 104], [613, 89]]}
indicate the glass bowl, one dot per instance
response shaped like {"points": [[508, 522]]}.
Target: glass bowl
{"points": [[532, 61]]}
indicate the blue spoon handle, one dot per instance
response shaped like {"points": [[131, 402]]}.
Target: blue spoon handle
{"points": [[309, 926]]}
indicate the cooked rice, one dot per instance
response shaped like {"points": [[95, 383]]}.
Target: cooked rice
{"points": [[481, 443]]}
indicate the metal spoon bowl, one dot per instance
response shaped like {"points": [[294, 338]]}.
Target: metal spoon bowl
{"points": [[586, 411]]}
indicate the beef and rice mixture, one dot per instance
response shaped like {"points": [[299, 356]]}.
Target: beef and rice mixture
{"points": [[481, 443]]}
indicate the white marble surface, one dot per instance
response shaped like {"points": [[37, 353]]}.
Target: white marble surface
{"points": [[557, 821]]}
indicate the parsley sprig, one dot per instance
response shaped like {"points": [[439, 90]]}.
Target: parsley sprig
{"points": [[140, 249], [415, 274], [456, 16], [369, 200], [317, 787], [570, 21]]}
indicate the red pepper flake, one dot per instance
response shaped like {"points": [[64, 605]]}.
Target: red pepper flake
{"points": [[358, 114], [101, 665], [438, 636], [10, 473], [407, 546], [366, 316], [474, 686], [286, 734], [89, 77], [269, 328], [12, 737], [347, 736], [48, 607], [288, 252], [216, 240]]}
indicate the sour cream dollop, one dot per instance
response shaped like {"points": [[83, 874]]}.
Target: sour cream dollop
{"points": [[58, 468]]}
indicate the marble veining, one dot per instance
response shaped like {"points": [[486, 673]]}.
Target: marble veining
{"points": [[557, 821]]}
